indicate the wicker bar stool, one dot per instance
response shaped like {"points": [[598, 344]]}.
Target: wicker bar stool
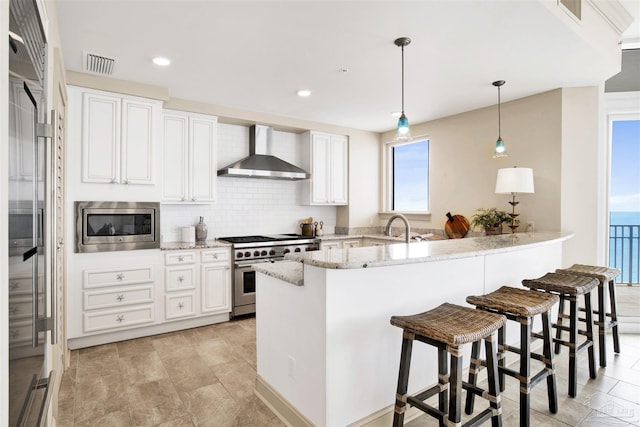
{"points": [[448, 327], [520, 305], [605, 276], [569, 287]]}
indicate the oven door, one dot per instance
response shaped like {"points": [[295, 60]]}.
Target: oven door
{"points": [[244, 286]]}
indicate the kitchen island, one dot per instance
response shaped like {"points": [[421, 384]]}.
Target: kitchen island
{"points": [[326, 352]]}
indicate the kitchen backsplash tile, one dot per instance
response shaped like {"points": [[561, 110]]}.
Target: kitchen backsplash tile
{"points": [[248, 206]]}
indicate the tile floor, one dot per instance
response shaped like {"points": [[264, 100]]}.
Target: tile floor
{"points": [[205, 377]]}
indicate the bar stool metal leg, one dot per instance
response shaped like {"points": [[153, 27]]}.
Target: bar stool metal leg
{"points": [[602, 321], [474, 368], [525, 371], [455, 382], [560, 323], [443, 380], [492, 378], [589, 320], [552, 393], [614, 316], [403, 379]]}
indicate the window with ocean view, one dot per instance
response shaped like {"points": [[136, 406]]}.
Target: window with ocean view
{"points": [[624, 203]]}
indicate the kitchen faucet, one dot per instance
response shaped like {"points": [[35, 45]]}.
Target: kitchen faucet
{"points": [[387, 228]]}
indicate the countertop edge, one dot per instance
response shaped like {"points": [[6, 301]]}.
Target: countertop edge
{"points": [[288, 271], [546, 238]]}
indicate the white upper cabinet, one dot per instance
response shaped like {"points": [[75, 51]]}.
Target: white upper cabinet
{"points": [[190, 165], [326, 157], [118, 137]]}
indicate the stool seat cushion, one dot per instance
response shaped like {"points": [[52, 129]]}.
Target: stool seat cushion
{"points": [[451, 324], [567, 284], [604, 274], [519, 302]]}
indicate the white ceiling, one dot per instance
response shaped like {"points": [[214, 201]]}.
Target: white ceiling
{"points": [[255, 55]]}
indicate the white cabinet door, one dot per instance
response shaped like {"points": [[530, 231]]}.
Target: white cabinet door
{"points": [[100, 138], [202, 164], [175, 157], [190, 165], [216, 288], [326, 156], [137, 141], [118, 138], [320, 174], [339, 170]]}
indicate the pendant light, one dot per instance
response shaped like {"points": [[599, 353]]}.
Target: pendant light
{"points": [[403, 133], [500, 150]]}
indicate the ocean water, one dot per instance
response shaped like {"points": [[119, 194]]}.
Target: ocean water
{"points": [[624, 218]]}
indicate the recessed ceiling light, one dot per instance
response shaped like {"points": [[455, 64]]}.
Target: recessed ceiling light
{"points": [[304, 93], [161, 61], [396, 114]]}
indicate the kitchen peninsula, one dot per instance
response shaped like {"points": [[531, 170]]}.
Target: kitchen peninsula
{"points": [[326, 352]]}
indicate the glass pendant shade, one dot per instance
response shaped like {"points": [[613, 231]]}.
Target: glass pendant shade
{"points": [[500, 150], [403, 133]]}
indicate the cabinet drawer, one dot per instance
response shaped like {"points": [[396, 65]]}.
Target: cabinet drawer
{"points": [[117, 319], [181, 305], [179, 278], [118, 297], [177, 258], [350, 244], [117, 276], [215, 255]]}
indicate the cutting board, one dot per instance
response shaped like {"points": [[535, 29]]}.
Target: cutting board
{"points": [[456, 227]]}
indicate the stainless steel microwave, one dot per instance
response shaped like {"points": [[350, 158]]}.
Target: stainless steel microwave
{"points": [[117, 226]]}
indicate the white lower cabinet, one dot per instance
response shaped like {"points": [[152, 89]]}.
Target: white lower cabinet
{"points": [[117, 298], [122, 295], [215, 281]]}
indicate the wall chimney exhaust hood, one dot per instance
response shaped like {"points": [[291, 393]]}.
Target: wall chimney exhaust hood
{"points": [[259, 164]]}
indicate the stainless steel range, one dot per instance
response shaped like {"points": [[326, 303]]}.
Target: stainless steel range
{"points": [[250, 250]]}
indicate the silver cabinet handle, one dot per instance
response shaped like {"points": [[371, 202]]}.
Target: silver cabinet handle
{"points": [[13, 286], [14, 333], [193, 199], [120, 318], [215, 256], [180, 305], [113, 180], [181, 279], [120, 276], [120, 297], [184, 199], [13, 310], [126, 181], [180, 258], [60, 243]]}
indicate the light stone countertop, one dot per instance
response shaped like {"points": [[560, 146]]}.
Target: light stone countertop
{"points": [[426, 251], [171, 246], [288, 271]]}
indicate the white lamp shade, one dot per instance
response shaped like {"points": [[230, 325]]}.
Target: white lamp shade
{"points": [[514, 180]]}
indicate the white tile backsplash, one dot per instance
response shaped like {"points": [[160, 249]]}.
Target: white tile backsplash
{"points": [[247, 206]]}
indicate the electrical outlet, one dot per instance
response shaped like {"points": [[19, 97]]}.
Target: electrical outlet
{"points": [[291, 367], [531, 226]]}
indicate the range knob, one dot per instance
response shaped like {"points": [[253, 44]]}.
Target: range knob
{"points": [[247, 254], [296, 250], [286, 251], [239, 255], [263, 253], [256, 253], [272, 252]]}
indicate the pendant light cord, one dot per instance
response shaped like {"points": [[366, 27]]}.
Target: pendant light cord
{"points": [[499, 119], [402, 49]]}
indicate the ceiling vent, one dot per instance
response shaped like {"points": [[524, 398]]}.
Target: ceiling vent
{"points": [[98, 64]]}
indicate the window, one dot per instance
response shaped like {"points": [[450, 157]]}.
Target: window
{"points": [[408, 176]]}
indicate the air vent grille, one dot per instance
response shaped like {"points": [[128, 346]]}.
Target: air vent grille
{"points": [[99, 64]]}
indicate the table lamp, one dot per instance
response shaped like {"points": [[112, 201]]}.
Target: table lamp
{"points": [[514, 180]]}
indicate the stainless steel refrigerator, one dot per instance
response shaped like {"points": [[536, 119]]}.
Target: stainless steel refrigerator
{"points": [[29, 379]]}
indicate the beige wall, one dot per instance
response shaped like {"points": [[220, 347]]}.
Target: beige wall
{"points": [[463, 170], [582, 170]]}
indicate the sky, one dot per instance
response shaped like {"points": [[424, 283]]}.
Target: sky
{"points": [[625, 166]]}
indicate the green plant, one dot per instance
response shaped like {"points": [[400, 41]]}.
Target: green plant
{"points": [[491, 217]]}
